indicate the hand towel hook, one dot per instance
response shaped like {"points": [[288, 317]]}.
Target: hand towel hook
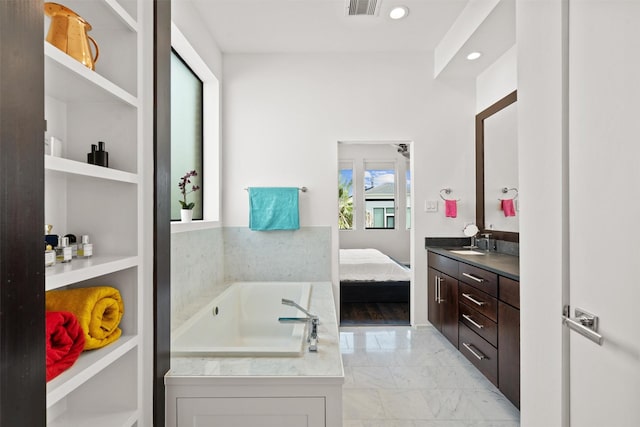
{"points": [[447, 191], [505, 190]]}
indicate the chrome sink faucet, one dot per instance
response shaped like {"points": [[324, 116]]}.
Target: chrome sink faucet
{"points": [[311, 320]]}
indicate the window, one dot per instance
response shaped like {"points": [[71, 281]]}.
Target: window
{"points": [[186, 135], [345, 196], [380, 195]]}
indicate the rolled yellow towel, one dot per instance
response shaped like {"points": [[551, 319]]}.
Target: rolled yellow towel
{"points": [[98, 309]]}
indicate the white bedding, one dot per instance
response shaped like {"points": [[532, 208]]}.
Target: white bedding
{"points": [[360, 265]]}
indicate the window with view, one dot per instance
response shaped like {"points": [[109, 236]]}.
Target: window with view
{"points": [[345, 196], [380, 195], [186, 135]]}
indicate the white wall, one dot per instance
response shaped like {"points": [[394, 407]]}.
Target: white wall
{"points": [[498, 80], [542, 151], [285, 113]]}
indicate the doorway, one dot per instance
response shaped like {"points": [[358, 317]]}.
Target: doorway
{"points": [[375, 233]]}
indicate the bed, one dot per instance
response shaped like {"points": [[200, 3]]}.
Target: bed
{"points": [[368, 275]]}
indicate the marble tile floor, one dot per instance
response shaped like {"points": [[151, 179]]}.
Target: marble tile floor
{"points": [[398, 376]]}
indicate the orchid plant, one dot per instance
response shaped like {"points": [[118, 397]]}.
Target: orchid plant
{"points": [[182, 185]]}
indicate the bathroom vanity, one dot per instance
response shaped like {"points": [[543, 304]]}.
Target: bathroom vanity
{"points": [[286, 391], [474, 300]]}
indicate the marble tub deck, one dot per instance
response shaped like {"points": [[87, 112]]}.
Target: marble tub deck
{"points": [[326, 363], [413, 377]]}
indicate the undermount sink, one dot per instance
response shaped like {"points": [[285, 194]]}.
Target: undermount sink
{"points": [[467, 252]]}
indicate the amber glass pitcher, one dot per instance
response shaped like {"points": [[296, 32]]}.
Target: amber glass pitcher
{"points": [[68, 32]]}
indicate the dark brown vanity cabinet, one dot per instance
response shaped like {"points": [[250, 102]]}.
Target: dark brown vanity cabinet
{"points": [[487, 318], [443, 298]]}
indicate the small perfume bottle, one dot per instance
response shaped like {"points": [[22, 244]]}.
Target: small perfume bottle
{"points": [[49, 256], [101, 157], [63, 250], [91, 157], [85, 249], [73, 244], [51, 239]]}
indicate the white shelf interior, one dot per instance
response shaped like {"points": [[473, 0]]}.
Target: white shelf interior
{"points": [[80, 269], [82, 107], [68, 80], [61, 164], [88, 365]]}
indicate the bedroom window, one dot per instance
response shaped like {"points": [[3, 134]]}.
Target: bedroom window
{"points": [[345, 196], [380, 195]]}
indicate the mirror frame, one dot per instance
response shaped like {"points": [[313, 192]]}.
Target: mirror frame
{"points": [[480, 213]]}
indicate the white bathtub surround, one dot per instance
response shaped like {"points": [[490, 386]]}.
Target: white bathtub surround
{"points": [[300, 255], [243, 321], [197, 268], [313, 380]]}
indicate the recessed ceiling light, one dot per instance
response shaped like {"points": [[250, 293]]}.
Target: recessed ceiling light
{"points": [[473, 56], [399, 12]]}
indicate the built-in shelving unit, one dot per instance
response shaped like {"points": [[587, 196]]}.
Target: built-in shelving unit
{"points": [[104, 386]]}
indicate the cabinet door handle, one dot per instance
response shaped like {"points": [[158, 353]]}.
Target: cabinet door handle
{"points": [[436, 282], [440, 300], [472, 277], [475, 352], [473, 300], [473, 322]]}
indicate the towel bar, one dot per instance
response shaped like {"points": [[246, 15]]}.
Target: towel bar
{"points": [[303, 189]]}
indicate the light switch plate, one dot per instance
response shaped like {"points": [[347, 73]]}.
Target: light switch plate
{"points": [[431, 206]]}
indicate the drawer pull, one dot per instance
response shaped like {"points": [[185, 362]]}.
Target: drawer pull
{"points": [[472, 277], [474, 323], [479, 356], [473, 300]]}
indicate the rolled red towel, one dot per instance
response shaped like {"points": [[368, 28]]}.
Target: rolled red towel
{"points": [[65, 342]]}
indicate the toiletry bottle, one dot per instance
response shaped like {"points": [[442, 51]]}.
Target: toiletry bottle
{"points": [[63, 250], [91, 157], [85, 249], [73, 244], [49, 256], [101, 157], [51, 239]]}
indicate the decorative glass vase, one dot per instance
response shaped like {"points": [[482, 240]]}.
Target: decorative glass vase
{"points": [[186, 215]]}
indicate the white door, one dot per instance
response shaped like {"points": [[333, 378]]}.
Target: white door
{"points": [[604, 183]]}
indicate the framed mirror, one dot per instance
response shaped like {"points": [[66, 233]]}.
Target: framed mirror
{"points": [[497, 169]]}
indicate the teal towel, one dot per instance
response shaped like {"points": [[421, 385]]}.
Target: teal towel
{"points": [[273, 208]]}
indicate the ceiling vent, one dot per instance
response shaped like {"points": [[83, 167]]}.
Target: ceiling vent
{"points": [[363, 7]]}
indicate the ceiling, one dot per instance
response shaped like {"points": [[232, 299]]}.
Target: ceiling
{"points": [[306, 26]]}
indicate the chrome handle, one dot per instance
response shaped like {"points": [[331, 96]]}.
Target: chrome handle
{"points": [[473, 322], [473, 300], [472, 277], [440, 300], [435, 288], [586, 324], [478, 356]]}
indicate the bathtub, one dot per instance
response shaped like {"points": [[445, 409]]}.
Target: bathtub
{"points": [[243, 321]]}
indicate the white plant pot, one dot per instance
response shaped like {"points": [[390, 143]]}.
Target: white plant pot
{"points": [[186, 215]]}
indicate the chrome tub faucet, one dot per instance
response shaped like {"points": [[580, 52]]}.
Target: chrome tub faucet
{"points": [[311, 320]]}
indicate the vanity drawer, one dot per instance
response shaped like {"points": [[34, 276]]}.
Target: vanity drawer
{"points": [[509, 291], [484, 280], [483, 355], [483, 303], [443, 264], [478, 323]]}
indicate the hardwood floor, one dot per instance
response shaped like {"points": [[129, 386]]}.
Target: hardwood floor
{"points": [[388, 313]]}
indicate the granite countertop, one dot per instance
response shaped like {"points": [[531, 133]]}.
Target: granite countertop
{"points": [[326, 362], [499, 263]]}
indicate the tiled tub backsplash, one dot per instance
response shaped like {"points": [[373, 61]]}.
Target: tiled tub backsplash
{"points": [[205, 262], [304, 254], [197, 271]]}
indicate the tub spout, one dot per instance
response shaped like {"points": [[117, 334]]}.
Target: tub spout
{"points": [[311, 320]]}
